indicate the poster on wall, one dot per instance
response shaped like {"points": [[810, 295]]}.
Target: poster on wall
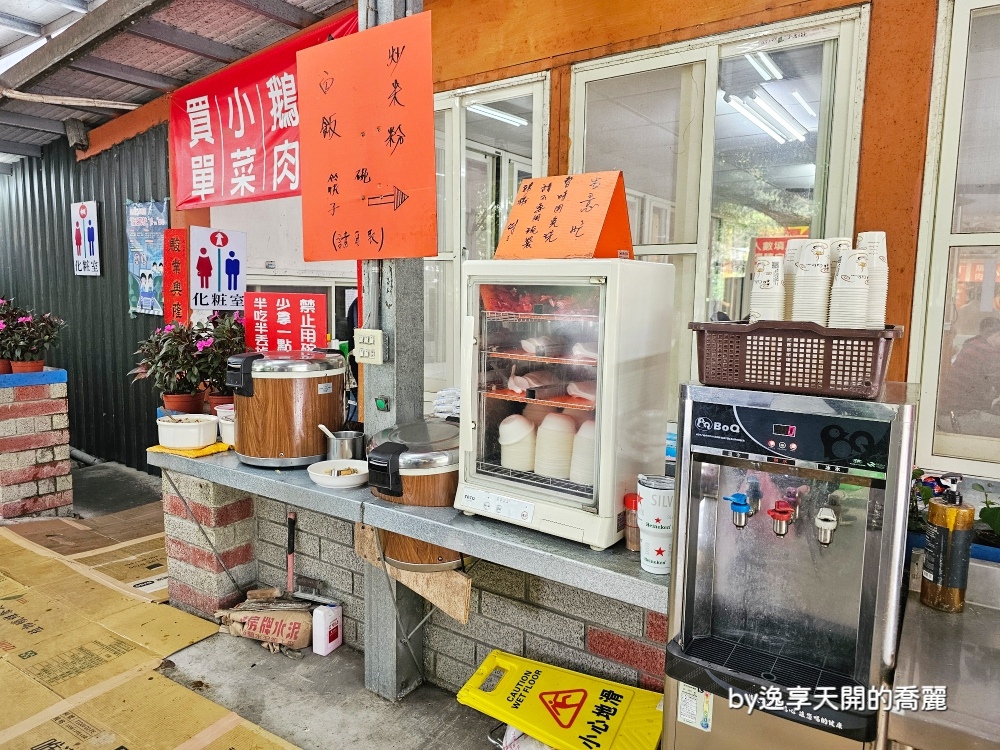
{"points": [[86, 239], [217, 269], [367, 144], [278, 322], [176, 302], [145, 223], [234, 135]]}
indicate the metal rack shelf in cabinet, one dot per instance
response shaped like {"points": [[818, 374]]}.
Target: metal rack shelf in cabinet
{"points": [[560, 402], [522, 356], [513, 317], [584, 491]]}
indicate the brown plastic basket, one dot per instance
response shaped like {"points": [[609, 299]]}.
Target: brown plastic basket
{"points": [[792, 357]]}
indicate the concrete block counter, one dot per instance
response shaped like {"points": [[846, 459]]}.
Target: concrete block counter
{"points": [[533, 594]]}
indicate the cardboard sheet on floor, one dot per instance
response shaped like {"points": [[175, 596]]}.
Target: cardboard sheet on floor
{"points": [[448, 590]]}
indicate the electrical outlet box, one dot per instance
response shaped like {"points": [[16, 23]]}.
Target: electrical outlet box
{"points": [[369, 346]]}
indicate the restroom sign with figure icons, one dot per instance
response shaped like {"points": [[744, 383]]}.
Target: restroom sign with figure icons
{"points": [[86, 240], [218, 269]]}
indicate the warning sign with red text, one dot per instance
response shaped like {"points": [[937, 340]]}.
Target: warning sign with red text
{"points": [[277, 322]]}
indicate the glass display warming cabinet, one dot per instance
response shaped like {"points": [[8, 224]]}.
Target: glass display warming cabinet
{"points": [[564, 391]]}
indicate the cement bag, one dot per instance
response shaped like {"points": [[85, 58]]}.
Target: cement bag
{"points": [[515, 739], [286, 628]]}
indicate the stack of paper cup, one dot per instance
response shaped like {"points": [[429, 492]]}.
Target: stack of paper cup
{"points": [[656, 522], [839, 246], [581, 468], [849, 297], [554, 446], [767, 295], [792, 248], [811, 298], [878, 277], [517, 443]]}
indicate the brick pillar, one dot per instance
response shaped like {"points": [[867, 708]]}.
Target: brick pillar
{"points": [[198, 582], [35, 475]]}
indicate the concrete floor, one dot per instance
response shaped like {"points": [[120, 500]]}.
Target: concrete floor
{"points": [[321, 702], [316, 702]]}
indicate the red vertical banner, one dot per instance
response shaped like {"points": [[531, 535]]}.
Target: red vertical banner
{"points": [[175, 276], [277, 322]]}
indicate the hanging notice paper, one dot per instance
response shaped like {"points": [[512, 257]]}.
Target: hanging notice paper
{"points": [[367, 136], [218, 263], [570, 216], [86, 241], [277, 322], [144, 227]]}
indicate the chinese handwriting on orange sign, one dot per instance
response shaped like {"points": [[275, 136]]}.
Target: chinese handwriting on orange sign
{"points": [[570, 216], [366, 105]]}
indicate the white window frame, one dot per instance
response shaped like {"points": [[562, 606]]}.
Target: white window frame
{"points": [[536, 85], [849, 26], [936, 237]]}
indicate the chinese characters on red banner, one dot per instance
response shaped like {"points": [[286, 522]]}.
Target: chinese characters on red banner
{"points": [[278, 322], [234, 136], [175, 276], [367, 136]]}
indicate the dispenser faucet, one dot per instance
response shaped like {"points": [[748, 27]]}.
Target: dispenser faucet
{"points": [[826, 523], [741, 509], [781, 515], [754, 494]]}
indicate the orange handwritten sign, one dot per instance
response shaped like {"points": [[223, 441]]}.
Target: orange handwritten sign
{"points": [[366, 109], [570, 216]]}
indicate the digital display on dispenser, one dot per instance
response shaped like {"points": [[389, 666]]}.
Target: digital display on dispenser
{"points": [[784, 430]]}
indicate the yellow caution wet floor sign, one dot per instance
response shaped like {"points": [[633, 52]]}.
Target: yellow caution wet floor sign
{"points": [[564, 709]]}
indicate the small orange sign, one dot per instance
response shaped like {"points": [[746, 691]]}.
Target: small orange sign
{"points": [[564, 705], [366, 109], [570, 216]]}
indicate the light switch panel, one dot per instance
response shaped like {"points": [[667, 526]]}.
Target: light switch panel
{"points": [[369, 346]]}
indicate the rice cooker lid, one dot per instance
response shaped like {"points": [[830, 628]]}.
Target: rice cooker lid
{"points": [[316, 361], [430, 443]]}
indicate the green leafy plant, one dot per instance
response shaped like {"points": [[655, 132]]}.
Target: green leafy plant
{"points": [[990, 512], [228, 337], [9, 313], [29, 336], [174, 358], [920, 496]]}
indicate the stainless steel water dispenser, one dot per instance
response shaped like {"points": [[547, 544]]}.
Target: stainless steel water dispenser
{"points": [[788, 563]]}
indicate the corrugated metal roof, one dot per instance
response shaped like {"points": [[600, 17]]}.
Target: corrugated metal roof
{"points": [[216, 20]]}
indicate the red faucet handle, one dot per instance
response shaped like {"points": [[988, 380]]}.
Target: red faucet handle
{"points": [[782, 511]]}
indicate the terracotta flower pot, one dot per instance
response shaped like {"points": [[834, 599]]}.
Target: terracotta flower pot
{"points": [[36, 365], [5, 367], [186, 403], [216, 400]]}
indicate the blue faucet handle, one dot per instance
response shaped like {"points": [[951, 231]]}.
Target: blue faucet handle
{"points": [[739, 502]]}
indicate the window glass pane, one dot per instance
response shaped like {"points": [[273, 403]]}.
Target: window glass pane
{"points": [[771, 158], [977, 192], [649, 126], [439, 321], [969, 381], [498, 146], [440, 162]]}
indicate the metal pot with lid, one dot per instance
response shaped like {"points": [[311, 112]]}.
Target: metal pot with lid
{"points": [[416, 464], [281, 398]]}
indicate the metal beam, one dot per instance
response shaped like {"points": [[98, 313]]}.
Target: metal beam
{"points": [[44, 124], [171, 36], [101, 23], [16, 148], [7, 169], [80, 6], [20, 25], [126, 73], [280, 11]]}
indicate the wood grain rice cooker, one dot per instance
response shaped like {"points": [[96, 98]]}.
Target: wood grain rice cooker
{"points": [[281, 400], [416, 464]]}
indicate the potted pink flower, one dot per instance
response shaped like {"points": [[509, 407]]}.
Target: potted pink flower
{"points": [[176, 358], [28, 338]]}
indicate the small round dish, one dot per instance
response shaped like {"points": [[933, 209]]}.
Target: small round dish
{"points": [[324, 473]]}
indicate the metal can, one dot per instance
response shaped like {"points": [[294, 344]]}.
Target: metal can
{"points": [[656, 503]]}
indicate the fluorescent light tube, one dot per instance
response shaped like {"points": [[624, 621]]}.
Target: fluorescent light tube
{"points": [[736, 103], [771, 65], [496, 114], [764, 73], [804, 103], [796, 132]]}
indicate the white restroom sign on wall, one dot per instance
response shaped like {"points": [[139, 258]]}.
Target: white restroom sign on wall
{"points": [[218, 269], [86, 241]]}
